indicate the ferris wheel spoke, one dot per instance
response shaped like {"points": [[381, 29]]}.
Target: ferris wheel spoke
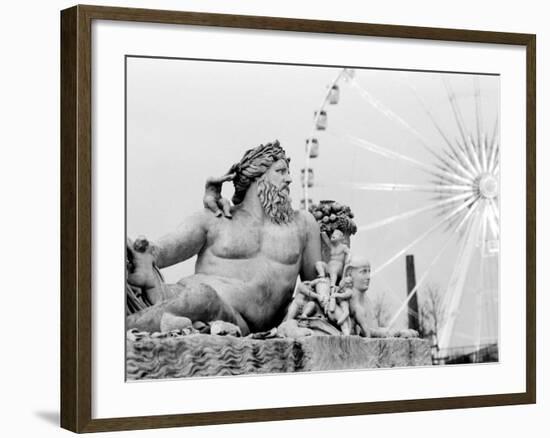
{"points": [[484, 311], [392, 116], [475, 157], [426, 110], [495, 130], [460, 152], [454, 165], [414, 212], [468, 215], [435, 188], [458, 163], [456, 110], [479, 117], [463, 152], [421, 280], [484, 228], [423, 235], [388, 153], [493, 157], [481, 290], [459, 258], [452, 178], [380, 150], [456, 284], [483, 153], [492, 217], [496, 164], [492, 150], [495, 145], [442, 178], [495, 209]]}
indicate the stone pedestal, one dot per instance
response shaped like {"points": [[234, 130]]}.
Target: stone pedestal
{"points": [[200, 355]]}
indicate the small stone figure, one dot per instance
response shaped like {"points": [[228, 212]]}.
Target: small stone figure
{"points": [[306, 290], [314, 298], [339, 257], [338, 310], [141, 270], [311, 298], [213, 199]]}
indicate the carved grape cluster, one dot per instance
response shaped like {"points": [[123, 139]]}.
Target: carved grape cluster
{"points": [[334, 216]]}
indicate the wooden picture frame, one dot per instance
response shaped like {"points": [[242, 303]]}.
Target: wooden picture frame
{"points": [[76, 217]]}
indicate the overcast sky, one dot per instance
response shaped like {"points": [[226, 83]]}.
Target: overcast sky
{"points": [[187, 120]]}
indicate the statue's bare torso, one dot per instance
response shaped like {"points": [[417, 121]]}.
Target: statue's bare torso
{"points": [[253, 266], [251, 263]]}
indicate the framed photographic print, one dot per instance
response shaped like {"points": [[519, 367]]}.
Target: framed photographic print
{"points": [[268, 218]]}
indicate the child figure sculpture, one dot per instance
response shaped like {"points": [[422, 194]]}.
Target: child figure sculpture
{"points": [[338, 309], [311, 298], [339, 257]]}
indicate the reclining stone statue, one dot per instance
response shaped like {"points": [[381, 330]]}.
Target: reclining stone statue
{"points": [[248, 258]]}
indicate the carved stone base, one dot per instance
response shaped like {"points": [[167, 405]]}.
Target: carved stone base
{"points": [[199, 355]]}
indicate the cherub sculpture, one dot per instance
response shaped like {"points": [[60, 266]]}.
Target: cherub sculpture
{"points": [[338, 309], [213, 199], [313, 298], [339, 257], [310, 299]]}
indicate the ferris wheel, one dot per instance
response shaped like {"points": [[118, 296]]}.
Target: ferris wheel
{"points": [[438, 138]]}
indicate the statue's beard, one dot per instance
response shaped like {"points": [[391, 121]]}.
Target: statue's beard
{"points": [[275, 202]]}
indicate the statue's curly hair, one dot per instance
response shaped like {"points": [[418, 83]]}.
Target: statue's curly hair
{"points": [[254, 163]]}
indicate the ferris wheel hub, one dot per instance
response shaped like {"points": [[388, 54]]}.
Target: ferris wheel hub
{"points": [[488, 186]]}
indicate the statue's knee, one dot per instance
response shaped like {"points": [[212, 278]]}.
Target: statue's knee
{"points": [[200, 299], [207, 294]]}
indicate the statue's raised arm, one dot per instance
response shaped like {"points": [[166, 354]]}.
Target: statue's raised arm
{"points": [[183, 243]]}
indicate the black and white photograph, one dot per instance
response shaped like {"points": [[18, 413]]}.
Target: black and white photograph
{"points": [[275, 219], [287, 218]]}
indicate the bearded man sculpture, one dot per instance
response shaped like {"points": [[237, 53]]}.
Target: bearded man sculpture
{"points": [[248, 259]]}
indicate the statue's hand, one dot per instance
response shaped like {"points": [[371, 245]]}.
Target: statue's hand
{"points": [[139, 263], [325, 304], [213, 195]]}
